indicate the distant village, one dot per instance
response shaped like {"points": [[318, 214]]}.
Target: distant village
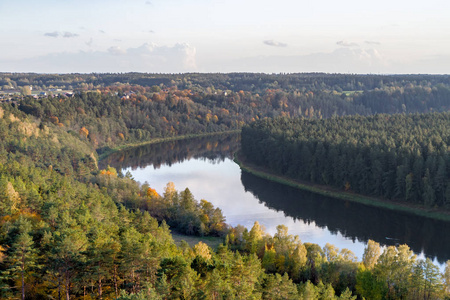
{"points": [[13, 95]]}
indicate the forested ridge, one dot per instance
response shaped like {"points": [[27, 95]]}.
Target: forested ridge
{"points": [[400, 156], [124, 113], [69, 230], [230, 100], [254, 82]]}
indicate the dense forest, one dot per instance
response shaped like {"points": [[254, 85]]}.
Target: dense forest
{"points": [[253, 82], [72, 230], [124, 112], [401, 157], [218, 100]]}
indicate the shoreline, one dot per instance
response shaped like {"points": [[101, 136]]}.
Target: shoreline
{"points": [[339, 194]]}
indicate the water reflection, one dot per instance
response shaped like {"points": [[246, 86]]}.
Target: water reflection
{"points": [[214, 148], [353, 220]]}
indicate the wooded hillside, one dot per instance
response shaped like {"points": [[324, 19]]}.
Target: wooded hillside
{"points": [[403, 157]]}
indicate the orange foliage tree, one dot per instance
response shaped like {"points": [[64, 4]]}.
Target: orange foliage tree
{"points": [[84, 132]]}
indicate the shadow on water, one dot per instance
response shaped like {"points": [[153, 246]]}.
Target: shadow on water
{"points": [[213, 148], [353, 220]]}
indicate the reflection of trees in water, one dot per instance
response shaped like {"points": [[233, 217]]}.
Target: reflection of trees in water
{"points": [[212, 148], [353, 220]]}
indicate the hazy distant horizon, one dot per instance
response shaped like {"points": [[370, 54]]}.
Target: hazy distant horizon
{"points": [[266, 73], [217, 36]]}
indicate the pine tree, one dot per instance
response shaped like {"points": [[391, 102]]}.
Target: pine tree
{"points": [[22, 261]]}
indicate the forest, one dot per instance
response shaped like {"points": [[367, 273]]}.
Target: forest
{"points": [[252, 82], [72, 230], [398, 157]]}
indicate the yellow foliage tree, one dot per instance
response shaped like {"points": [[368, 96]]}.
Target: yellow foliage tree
{"points": [[202, 250], [13, 197], [2, 254]]}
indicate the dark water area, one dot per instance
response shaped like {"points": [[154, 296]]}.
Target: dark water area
{"points": [[353, 220], [205, 166], [216, 147]]}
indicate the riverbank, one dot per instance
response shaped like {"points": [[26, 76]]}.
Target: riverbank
{"points": [[339, 194], [161, 140]]}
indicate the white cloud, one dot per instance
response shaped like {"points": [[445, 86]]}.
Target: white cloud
{"points": [[52, 34], [347, 44], [274, 43], [56, 34], [150, 58], [89, 43], [115, 50], [372, 43], [70, 34]]}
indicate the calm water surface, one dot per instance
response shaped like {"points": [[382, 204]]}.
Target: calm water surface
{"points": [[205, 166]]}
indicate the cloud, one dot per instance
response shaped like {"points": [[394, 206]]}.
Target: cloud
{"points": [[89, 43], [148, 57], [274, 43], [346, 44], [148, 3], [102, 31], [70, 34], [56, 34], [52, 34], [372, 43], [115, 50]]}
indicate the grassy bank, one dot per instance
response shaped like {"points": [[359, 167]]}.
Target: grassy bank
{"points": [[211, 241], [161, 140], [339, 194]]}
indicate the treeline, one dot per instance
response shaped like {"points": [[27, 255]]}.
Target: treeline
{"points": [[383, 273], [406, 99], [124, 113], [254, 82], [236, 98], [401, 157]]}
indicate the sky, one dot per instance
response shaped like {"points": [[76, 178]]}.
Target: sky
{"points": [[175, 36]]}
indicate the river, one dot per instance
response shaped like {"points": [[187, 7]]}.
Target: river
{"points": [[205, 166]]}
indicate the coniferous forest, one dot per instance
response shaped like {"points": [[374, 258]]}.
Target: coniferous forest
{"points": [[390, 156], [70, 229]]}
